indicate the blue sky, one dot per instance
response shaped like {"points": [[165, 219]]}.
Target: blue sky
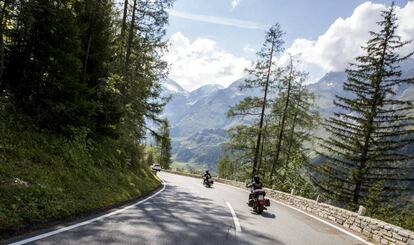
{"points": [[232, 30]]}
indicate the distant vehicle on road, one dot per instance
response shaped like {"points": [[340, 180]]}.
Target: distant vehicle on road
{"points": [[156, 167], [208, 182]]}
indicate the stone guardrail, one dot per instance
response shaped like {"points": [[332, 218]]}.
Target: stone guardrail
{"points": [[374, 230]]}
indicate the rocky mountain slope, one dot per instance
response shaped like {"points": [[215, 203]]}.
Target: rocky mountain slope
{"points": [[199, 122], [198, 119]]}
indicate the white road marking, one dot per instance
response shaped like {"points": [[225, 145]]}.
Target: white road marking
{"points": [[327, 223], [67, 228], [235, 219], [310, 215]]}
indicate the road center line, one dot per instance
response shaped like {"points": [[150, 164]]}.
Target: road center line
{"points": [[235, 219], [67, 228]]}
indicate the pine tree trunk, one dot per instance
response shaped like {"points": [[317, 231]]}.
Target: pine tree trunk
{"points": [[282, 124], [124, 16], [291, 135], [3, 18], [130, 36], [123, 28], [292, 132], [259, 136], [261, 151], [85, 64]]}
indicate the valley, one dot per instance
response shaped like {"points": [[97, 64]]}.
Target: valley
{"points": [[199, 123]]}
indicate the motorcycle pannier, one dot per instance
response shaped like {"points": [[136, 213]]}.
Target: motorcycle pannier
{"points": [[251, 201]]}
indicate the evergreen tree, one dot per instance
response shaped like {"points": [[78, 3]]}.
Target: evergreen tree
{"points": [[226, 168], [7, 7], [285, 97], [164, 144], [262, 75], [139, 64], [94, 19], [43, 66], [280, 121], [291, 122], [150, 157], [368, 135], [287, 127], [61, 68], [241, 147]]}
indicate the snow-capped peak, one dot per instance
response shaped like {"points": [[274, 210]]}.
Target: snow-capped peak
{"points": [[171, 87]]}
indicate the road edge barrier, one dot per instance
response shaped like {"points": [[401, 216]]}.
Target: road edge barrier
{"points": [[373, 229]]}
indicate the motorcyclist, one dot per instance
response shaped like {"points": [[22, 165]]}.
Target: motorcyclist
{"points": [[206, 176], [256, 184]]}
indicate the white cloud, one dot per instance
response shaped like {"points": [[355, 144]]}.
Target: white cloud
{"points": [[342, 42], [219, 20], [199, 62], [249, 49], [406, 27], [235, 3]]}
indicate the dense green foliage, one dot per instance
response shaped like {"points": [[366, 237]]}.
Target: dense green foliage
{"points": [[282, 120], [78, 83], [67, 65], [150, 155], [226, 168], [264, 74], [364, 149], [164, 145]]}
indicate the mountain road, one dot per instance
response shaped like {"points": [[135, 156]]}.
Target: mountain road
{"points": [[186, 212]]}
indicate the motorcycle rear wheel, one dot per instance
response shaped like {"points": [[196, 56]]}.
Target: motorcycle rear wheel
{"points": [[260, 210]]}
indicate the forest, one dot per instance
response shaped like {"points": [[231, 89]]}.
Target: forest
{"points": [[79, 83]]}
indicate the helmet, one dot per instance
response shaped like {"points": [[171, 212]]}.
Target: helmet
{"points": [[256, 178], [206, 171]]}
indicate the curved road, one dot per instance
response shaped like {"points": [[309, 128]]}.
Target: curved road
{"points": [[185, 212]]}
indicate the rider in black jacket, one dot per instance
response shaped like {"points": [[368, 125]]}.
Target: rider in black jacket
{"points": [[255, 185], [206, 176]]}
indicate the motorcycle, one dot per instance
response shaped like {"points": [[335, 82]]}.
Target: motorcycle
{"points": [[258, 201], [208, 182]]}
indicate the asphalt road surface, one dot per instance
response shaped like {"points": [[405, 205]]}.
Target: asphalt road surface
{"points": [[185, 212]]}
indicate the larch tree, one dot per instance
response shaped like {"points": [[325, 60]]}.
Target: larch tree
{"points": [[286, 87], [262, 75], [289, 126]]}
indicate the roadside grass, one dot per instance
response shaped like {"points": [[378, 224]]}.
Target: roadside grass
{"points": [[45, 178]]}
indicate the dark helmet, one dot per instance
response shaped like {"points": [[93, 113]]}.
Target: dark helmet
{"points": [[256, 178], [206, 171]]}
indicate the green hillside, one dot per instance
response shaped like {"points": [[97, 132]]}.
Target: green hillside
{"points": [[46, 178]]}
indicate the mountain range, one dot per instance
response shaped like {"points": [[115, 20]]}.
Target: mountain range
{"points": [[198, 118]]}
